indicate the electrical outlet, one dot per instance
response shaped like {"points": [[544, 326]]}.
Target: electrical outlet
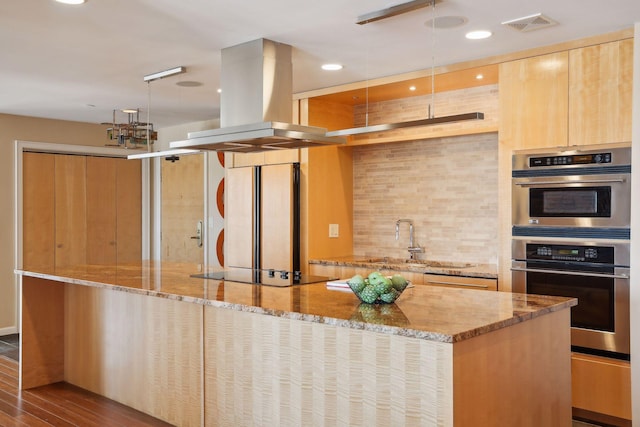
{"points": [[334, 230]]}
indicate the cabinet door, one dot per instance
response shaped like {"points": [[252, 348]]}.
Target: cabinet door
{"points": [[70, 210], [277, 228], [600, 85], [38, 214], [128, 206], [534, 102], [101, 210], [461, 282], [238, 208]]}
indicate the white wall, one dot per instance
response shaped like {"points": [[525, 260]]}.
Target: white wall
{"points": [[635, 229]]}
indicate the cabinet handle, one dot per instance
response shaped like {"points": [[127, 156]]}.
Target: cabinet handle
{"points": [[470, 285]]}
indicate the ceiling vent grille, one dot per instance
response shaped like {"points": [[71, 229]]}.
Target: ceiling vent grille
{"points": [[530, 23]]}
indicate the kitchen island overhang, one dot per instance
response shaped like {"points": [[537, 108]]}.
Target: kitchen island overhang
{"points": [[288, 355]]}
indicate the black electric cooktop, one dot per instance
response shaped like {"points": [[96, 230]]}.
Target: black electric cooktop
{"points": [[268, 277]]}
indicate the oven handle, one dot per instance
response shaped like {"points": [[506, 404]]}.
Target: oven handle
{"points": [[582, 181], [571, 273]]}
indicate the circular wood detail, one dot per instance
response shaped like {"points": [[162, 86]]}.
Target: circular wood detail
{"points": [[220, 197], [219, 248]]}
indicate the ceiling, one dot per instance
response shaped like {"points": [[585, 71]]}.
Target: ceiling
{"points": [[82, 62]]}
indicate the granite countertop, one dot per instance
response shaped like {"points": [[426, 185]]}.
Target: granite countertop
{"points": [[425, 312], [449, 268]]}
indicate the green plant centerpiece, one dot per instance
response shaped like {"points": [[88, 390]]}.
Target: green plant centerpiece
{"points": [[376, 288]]}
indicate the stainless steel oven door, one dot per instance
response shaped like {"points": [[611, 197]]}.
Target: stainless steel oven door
{"points": [[600, 321], [572, 201]]}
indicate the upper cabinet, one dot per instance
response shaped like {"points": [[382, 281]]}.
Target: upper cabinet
{"points": [[600, 84], [575, 97], [533, 101]]}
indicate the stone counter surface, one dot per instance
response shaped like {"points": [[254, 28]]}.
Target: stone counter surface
{"points": [[424, 312], [449, 268]]}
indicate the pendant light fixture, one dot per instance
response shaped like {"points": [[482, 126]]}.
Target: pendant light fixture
{"points": [[431, 118]]}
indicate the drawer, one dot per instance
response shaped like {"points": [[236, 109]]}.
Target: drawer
{"points": [[461, 282]]}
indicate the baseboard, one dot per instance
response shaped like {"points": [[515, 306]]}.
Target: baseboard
{"points": [[600, 419], [8, 331]]}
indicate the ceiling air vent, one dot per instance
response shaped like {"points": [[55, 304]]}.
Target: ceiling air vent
{"points": [[530, 23]]}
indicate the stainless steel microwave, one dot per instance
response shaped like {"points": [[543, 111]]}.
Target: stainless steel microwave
{"points": [[572, 188]]}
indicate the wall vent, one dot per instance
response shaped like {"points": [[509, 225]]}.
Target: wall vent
{"points": [[530, 23]]}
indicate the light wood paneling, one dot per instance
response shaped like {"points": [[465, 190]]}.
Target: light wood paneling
{"points": [[38, 215], [601, 385], [128, 210], [516, 376], [238, 195], [601, 79], [101, 210], [266, 370], [141, 351], [70, 209], [41, 332], [265, 158], [276, 230], [182, 208]]}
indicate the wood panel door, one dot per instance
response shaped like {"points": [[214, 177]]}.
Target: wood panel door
{"points": [[38, 214], [128, 205], [182, 208], [600, 86], [239, 195], [277, 228], [70, 210], [101, 210]]}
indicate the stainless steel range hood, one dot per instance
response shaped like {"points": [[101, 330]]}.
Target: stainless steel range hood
{"points": [[256, 104]]}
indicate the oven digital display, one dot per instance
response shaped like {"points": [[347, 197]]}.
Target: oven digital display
{"points": [[568, 251], [570, 202]]}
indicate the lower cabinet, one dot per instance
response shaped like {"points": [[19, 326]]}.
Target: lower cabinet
{"points": [[478, 283], [601, 385]]}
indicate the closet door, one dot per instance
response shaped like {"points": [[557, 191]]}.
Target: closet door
{"points": [[38, 215], [70, 210], [101, 210], [128, 210]]}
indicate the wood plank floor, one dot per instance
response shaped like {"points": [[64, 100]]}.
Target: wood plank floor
{"points": [[61, 404]]}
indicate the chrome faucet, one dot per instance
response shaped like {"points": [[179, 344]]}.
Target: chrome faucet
{"points": [[413, 249]]}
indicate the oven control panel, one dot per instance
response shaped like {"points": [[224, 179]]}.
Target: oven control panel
{"points": [[577, 253], [574, 159]]}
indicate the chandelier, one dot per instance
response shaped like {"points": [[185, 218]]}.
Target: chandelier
{"points": [[133, 133]]}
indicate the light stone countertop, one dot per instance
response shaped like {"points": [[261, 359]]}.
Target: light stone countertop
{"points": [[449, 268], [425, 312]]}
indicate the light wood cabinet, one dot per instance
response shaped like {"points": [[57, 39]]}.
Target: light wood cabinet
{"points": [[534, 101], [347, 272], [600, 86], [80, 209], [601, 385], [461, 282], [265, 158]]}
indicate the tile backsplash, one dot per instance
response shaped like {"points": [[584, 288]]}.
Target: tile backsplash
{"points": [[447, 186]]}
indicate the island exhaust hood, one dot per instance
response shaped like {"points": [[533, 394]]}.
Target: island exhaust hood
{"points": [[256, 104]]}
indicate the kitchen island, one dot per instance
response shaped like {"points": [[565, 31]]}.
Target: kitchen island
{"points": [[196, 351]]}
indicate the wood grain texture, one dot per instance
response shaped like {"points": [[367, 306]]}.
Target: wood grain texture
{"points": [[101, 210], [182, 208], [38, 214], [276, 229], [461, 282], [41, 332], [601, 385], [238, 242], [600, 85], [266, 370], [143, 352], [128, 210], [70, 209]]}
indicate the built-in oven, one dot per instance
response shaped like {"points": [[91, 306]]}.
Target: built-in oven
{"points": [[572, 188], [595, 273]]}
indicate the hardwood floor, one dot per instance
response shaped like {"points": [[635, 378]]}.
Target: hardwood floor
{"points": [[60, 404]]}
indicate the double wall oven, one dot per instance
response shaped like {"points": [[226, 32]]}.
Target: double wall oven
{"points": [[571, 229]]}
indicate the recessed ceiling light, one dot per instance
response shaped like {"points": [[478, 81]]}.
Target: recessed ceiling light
{"points": [[71, 1], [219, 90], [479, 77], [331, 67], [129, 110], [478, 35], [412, 88]]}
